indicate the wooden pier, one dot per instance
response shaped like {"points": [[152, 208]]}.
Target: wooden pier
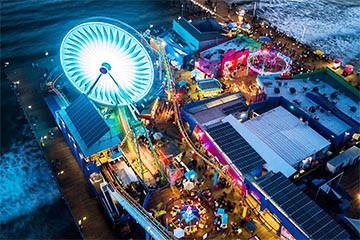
{"points": [[76, 191]]}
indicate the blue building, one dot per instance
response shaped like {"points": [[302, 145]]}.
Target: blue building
{"points": [[200, 34], [177, 50]]}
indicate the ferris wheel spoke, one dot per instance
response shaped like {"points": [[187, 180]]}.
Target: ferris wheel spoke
{"points": [[111, 46], [93, 85], [123, 93]]}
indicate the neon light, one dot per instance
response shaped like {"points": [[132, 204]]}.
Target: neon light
{"points": [[107, 62]]}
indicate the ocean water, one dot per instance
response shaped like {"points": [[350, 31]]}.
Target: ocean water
{"points": [[330, 25], [30, 200], [29, 197]]}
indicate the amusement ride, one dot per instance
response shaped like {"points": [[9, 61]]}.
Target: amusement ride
{"points": [[114, 66]]}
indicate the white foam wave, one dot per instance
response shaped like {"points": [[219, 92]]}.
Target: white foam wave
{"points": [[332, 27], [26, 180]]}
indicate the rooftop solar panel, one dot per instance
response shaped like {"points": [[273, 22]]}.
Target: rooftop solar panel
{"points": [[243, 156], [87, 120], [237, 107], [305, 212], [332, 231]]}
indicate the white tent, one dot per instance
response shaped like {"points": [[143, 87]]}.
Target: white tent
{"points": [[188, 185], [179, 233]]}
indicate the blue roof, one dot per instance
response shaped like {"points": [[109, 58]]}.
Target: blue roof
{"points": [[87, 120], [202, 30], [87, 126]]}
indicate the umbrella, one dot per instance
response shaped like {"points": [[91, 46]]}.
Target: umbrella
{"points": [[188, 185], [182, 83], [246, 26], [319, 52], [349, 69], [179, 233], [190, 175], [232, 25], [265, 39], [337, 60], [157, 136]]}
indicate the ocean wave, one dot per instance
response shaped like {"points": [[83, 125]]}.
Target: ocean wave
{"points": [[334, 28], [26, 180]]}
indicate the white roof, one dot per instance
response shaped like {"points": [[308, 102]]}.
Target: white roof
{"points": [[300, 100], [349, 154], [273, 161], [284, 133]]}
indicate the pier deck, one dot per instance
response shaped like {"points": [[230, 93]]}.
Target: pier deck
{"points": [[74, 187]]}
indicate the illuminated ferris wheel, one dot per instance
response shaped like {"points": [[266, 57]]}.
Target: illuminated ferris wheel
{"points": [[106, 60]]}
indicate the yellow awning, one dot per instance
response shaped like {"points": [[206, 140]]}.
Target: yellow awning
{"points": [[319, 52]]}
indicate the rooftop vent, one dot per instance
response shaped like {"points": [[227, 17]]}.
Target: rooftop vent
{"points": [[353, 109], [333, 95], [292, 90], [298, 102], [277, 90], [312, 109]]}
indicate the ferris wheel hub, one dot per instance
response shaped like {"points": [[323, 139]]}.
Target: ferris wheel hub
{"points": [[108, 61]]}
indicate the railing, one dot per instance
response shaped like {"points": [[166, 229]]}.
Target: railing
{"points": [[57, 92], [177, 110], [148, 222]]}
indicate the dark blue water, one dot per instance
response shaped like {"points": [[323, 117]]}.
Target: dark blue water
{"points": [[31, 28], [31, 203]]}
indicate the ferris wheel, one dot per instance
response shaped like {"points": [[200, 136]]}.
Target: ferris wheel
{"points": [[107, 60]]}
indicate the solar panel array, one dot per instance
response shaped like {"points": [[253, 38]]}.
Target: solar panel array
{"points": [[243, 156], [304, 211], [237, 107], [87, 120]]}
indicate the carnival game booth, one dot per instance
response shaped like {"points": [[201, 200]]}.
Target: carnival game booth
{"points": [[232, 60], [229, 54], [197, 75], [170, 156]]}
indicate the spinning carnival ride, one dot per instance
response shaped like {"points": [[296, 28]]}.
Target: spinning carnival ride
{"points": [[113, 65]]}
